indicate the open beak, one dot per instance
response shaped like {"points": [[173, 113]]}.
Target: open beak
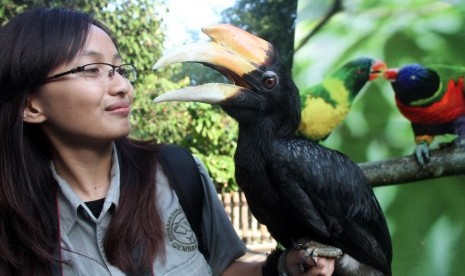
{"points": [[391, 74], [377, 68], [233, 52]]}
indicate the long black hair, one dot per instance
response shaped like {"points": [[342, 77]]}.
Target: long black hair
{"points": [[31, 45]]}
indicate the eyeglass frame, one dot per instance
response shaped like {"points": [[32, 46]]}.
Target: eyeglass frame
{"points": [[80, 69]]}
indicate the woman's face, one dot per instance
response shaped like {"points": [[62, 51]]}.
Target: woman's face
{"points": [[80, 110]]}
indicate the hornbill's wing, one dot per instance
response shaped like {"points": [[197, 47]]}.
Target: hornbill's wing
{"points": [[304, 172]]}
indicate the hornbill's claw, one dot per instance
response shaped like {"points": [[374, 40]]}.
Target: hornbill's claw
{"points": [[314, 249]]}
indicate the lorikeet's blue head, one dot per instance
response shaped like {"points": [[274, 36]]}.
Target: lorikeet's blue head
{"points": [[413, 82]]}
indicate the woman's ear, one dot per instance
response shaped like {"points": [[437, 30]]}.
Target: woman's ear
{"points": [[33, 112]]}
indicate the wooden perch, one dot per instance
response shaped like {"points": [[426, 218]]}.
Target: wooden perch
{"points": [[445, 161]]}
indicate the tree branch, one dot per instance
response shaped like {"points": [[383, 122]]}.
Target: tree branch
{"points": [[445, 161], [335, 8]]}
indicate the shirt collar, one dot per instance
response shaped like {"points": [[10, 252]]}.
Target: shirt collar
{"points": [[69, 202]]}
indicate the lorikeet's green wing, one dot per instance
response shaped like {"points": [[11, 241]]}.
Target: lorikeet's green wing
{"points": [[451, 77], [325, 105]]}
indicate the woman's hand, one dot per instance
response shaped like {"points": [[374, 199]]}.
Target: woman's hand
{"points": [[317, 266]]}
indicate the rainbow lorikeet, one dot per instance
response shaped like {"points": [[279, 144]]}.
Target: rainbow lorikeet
{"points": [[325, 105], [432, 98], [301, 190]]}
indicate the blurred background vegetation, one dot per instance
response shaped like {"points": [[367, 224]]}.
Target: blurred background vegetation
{"points": [[426, 218]]}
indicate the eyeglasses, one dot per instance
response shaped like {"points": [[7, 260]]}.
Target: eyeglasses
{"points": [[101, 72]]}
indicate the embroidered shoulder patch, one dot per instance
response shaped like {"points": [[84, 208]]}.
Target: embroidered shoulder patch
{"points": [[179, 231]]}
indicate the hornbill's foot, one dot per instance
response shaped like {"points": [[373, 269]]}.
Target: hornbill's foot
{"points": [[315, 249]]}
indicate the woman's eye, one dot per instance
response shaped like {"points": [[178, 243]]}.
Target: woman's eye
{"points": [[92, 70]]}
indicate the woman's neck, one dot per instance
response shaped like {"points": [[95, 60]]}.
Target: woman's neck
{"points": [[87, 171]]}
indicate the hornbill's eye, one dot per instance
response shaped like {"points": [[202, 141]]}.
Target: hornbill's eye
{"points": [[269, 80]]}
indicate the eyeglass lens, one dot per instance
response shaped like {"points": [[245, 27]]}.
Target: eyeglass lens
{"points": [[103, 72]]}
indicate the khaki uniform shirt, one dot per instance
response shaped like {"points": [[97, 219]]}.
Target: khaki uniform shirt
{"points": [[82, 234]]}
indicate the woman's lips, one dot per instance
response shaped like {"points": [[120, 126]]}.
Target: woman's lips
{"points": [[119, 108]]}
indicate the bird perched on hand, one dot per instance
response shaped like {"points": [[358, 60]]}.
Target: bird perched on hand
{"points": [[325, 105], [433, 99], [299, 189]]}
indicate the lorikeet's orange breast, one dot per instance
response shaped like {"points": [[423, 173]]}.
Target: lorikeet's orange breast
{"points": [[449, 108]]}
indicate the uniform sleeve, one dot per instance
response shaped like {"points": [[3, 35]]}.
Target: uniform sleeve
{"points": [[219, 235]]}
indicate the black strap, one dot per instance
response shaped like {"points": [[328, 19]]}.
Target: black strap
{"points": [[184, 177]]}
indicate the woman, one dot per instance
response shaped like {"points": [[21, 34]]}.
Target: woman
{"points": [[77, 196]]}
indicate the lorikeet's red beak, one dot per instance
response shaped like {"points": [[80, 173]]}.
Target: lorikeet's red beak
{"points": [[391, 74], [377, 69]]}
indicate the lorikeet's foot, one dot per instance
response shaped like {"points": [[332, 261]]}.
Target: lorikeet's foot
{"points": [[422, 153]]}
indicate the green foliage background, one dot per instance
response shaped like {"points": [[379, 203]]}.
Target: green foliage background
{"points": [[427, 218]]}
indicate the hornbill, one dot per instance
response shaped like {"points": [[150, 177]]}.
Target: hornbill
{"points": [[299, 189]]}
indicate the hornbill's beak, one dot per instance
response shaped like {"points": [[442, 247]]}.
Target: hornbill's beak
{"points": [[233, 52], [377, 68]]}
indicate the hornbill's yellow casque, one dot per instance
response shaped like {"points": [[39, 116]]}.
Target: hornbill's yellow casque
{"points": [[297, 188]]}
